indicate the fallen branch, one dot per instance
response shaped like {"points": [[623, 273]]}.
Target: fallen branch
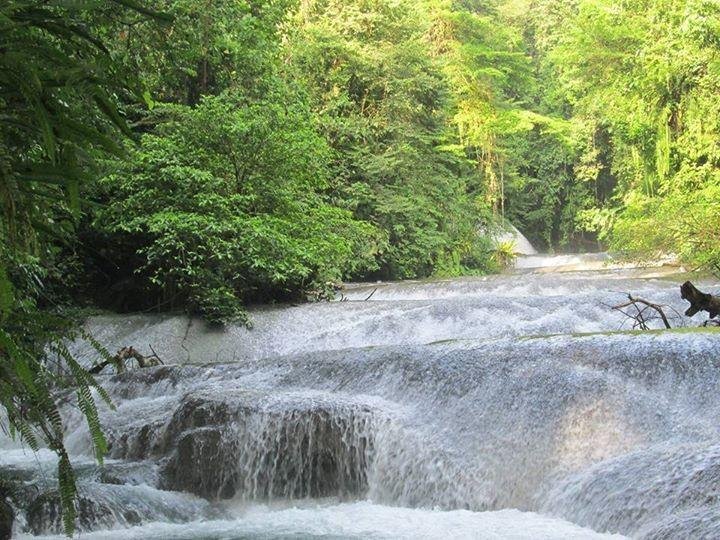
{"points": [[639, 317], [125, 354]]}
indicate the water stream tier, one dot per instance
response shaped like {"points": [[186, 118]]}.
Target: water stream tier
{"points": [[472, 408]]}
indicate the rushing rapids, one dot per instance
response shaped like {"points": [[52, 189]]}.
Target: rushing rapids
{"points": [[500, 407]]}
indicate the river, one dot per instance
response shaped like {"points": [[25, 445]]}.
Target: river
{"points": [[487, 407]]}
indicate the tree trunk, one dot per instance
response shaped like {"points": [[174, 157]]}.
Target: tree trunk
{"points": [[699, 301]]}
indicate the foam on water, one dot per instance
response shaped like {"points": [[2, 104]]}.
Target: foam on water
{"points": [[401, 313], [473, 424], [14, 455], [581, 262], [363, 520], [453, 406]]}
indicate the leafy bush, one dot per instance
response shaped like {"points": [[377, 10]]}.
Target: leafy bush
{"points": [[224, 203], [504, 254], [681, 223]]}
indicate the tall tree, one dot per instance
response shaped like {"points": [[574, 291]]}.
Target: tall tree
{"points": [[383, 102], [647, 73]]}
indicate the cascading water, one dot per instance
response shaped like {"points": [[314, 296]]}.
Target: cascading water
{"points": [[500, 407]]}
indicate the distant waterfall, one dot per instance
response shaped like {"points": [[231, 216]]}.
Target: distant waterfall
{"points": [[509, 234]]}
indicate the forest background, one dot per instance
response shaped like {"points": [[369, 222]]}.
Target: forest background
{"points": [[201, 155]]}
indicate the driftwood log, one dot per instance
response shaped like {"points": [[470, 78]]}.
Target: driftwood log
{"points": [[699, 301], [123, 355]]}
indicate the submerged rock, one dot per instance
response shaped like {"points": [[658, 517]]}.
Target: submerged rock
{"points": [[527, 400], [656, 493], [701, 522], [44, 516], [222, 442], [111, 506]]}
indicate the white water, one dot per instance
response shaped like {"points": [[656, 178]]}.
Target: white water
{"points": [[446, 409], [363, 520], [510, 234]]}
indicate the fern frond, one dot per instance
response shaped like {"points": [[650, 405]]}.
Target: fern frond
{"points": [[67, 490]]}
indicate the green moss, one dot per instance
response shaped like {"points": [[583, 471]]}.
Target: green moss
{"points": [[443, 341], [684, 330]]}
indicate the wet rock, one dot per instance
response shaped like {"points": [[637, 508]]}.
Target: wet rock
{"points": [[136, 444], [159, 433], [17, 491], [222, 449], [110, 506], [657, 493], [702, 522], [200, 465], [129, 474], [198, 411], [148, 377], [44, 516]]}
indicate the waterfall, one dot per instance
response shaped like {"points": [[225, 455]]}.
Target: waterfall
{"points": [[496, 407]]}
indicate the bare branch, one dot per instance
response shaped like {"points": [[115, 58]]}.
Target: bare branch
{"points": [[371, 294], [640, 318]]}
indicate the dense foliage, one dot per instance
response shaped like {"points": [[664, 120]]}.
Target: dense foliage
{"points": [[642, 80], [287, 147], [57, 116], [224, 204], [383, 105]]}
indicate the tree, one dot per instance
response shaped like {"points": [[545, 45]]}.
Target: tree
{"points": [[383, 101], [58, 113], [224, 202], [646, 73]]}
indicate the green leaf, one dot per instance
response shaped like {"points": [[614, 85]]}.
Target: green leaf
{"points": [[147, 97], [140, 8], [111, 111], [7, 296]]}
